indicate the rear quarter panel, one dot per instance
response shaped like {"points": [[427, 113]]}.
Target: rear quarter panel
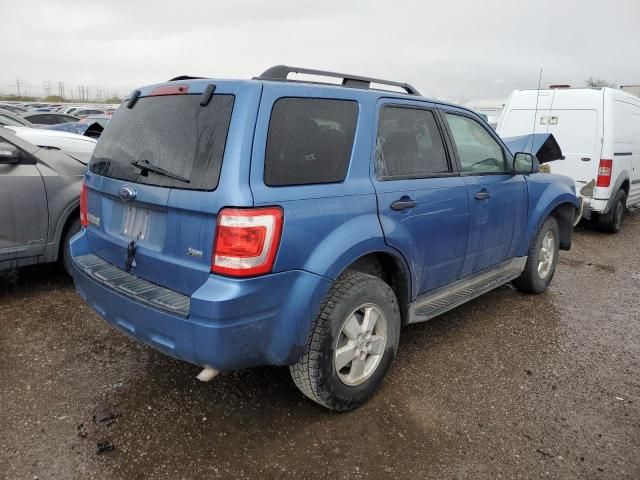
{"points": [[326, 226]]}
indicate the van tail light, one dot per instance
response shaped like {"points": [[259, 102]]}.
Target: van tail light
{"points": [[84, 219], [604, 173], [246, 241]]}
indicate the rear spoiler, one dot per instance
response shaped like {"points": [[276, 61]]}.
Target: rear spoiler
{"points": [[542, 145]]}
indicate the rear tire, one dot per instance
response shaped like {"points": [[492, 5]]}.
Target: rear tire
{"points": [[352, 343], [71, 229], [612, 221], [541, 260]]}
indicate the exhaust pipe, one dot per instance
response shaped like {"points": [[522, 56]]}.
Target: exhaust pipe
{"points": [[207, 374]]}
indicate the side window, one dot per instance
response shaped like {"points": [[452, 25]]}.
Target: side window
{"points": [[409, 144], [309, 141], [477, 150]]}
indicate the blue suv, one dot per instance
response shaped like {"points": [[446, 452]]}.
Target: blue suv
{"points": [[236, 223]]}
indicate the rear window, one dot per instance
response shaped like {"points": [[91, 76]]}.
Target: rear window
{"points": [[174, 134], [309, 141]]}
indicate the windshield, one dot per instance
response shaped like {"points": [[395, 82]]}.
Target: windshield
{"points": [[174, 133]]}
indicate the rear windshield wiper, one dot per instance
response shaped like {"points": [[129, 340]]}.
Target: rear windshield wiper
{"points": [[144, 165]]}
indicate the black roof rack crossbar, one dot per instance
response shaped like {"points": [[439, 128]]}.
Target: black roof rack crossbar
{"points": [[281, 72]]}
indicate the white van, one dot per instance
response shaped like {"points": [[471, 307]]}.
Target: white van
{"points": [[598, 130]]}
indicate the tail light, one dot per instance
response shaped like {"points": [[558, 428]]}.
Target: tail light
{"points": [[604, 173], [246, 241], [84, 219]]}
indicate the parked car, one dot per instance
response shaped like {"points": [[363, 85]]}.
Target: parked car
{"points": [[68, 110], [10, 119], [85, 112], [13, 108], [77, 145], [337, 214], [40, 196], [598, 130], [51, 118], [91, 126], [101, 120]]}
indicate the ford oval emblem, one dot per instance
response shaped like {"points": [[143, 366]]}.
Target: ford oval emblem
{"points": [[127, 193]]}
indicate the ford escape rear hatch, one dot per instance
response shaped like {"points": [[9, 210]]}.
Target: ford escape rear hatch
{"points": [[151, 188]]}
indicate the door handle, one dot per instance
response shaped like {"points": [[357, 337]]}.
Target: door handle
{"points": [[482, 195], [403, 204]]}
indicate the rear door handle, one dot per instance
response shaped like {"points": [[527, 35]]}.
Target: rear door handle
{"points": [[482, 195], [403, 204]]}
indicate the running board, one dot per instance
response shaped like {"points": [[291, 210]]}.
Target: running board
{"points": [[443, 299]]}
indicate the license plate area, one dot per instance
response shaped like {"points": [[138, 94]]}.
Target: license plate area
{"points": [[135, 223]]}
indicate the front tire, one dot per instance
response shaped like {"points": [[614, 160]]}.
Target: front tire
{"points": [[352, 343], [612, 221], [541, 260]]}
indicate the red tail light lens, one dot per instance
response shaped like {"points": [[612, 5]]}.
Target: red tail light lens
{"points": [[604, 173], [84, 219], [246, 241]]}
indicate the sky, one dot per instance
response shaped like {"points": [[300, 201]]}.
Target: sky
{"points": [[448, 49]]}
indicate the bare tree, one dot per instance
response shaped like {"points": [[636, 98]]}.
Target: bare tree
{"points": [[598, 83]]}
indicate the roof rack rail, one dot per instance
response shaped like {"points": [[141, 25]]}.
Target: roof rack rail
{"points": [[185, 77], [281, 72]]}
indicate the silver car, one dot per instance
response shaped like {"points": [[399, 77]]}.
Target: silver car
{"points": [[39, 202]]}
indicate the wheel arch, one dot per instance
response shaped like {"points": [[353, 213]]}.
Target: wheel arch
{"points": [[71, 212], [555, 200], [564, 214], [623, 182], [391, 268]]}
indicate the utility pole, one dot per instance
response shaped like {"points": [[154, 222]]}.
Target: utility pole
{"points": [[18, 84]]}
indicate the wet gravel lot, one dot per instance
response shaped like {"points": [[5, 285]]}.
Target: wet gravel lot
{"points": [[507, 386]]}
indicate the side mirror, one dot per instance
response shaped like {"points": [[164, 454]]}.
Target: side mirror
{"points": [[525, 163], [9, 153]]}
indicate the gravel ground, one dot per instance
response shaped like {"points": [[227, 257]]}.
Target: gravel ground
{"points": [[507, 386]]}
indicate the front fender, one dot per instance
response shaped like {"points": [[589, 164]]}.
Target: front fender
{"points": [[546, 193]]}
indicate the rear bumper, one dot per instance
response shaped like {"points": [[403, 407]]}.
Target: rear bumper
{"points": [[231, 324]]}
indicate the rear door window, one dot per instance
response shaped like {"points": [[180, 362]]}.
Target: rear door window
{"points": [[309, 141], [173, 133], [409, 144]]}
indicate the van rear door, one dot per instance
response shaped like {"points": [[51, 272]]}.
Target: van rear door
{"points": [[156, 180], [576, 131]]}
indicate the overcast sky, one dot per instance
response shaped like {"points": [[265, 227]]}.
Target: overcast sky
{"points": [[448, 49]]}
